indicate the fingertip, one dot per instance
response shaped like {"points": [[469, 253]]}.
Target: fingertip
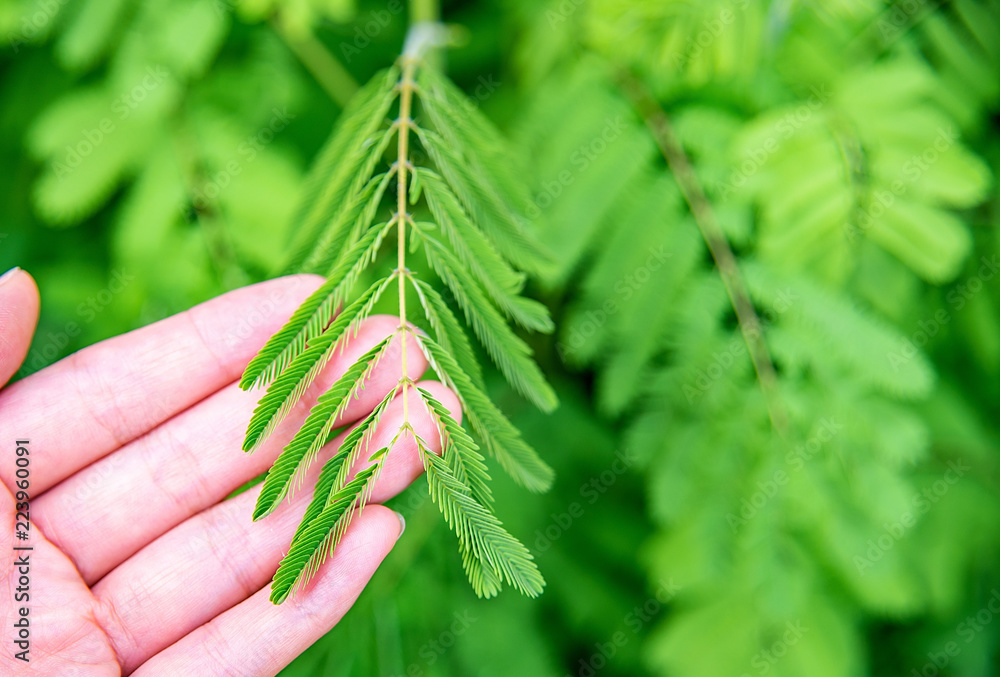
{"points": [[369, 539], [19, 305], [445, 396], [10, 274], [387, 522], [17, 285]]}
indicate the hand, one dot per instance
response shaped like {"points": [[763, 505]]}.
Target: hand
{"points": [[139, 562]]}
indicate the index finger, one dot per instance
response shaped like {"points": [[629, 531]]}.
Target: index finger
{"points": [[94, 401]]}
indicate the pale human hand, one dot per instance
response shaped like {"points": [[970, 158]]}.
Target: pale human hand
{"points": [[139, 562]]}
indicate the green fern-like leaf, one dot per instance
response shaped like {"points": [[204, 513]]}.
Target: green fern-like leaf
{"points": [[309, 320], [476, 239], [335, 502], [509, 353], [460, 452], [335, 175], [332, 477], [316, 540], [484, 180], [359, 214], [502, 439], [491, 553], [501, 283], [288, 388], [295, 459], [449, 332]]}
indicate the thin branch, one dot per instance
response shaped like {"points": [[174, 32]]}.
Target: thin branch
{"points": [[210, 219], [424, 11], [750, 326], [324, 66], [406, 86], [421, 38]]}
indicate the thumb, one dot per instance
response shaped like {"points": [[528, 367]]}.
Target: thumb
{"points": [[18, 317]]}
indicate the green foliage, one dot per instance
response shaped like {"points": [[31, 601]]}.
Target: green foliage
{"points": [[806, 124], [845, 194], [167, 132], [489, 554], [905, 169], [339, 177], [311, 319], [288, 470], [291, 382], [316, 540], [292, 359], [500, 436]]}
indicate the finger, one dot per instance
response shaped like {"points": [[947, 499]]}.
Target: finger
{"points": [[104, 396], [18, 318], [47, 606], [220, 557], [404, 464], [257, 637], [193, 461]]}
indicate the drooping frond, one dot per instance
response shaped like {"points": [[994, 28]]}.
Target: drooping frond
{"points": [[290, 467], [501, 438], [449, 332], [336, 500], [315, 543], [336, 175], [501, 283], [309, 320], [485, 543], [460, 452], [286, 390], [356, 218], [333, 477], [483, 181], [509, 353]]}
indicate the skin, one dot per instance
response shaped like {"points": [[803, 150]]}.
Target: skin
{"points": [[140, 565]]}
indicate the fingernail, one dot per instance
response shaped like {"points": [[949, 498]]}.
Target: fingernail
{"points": [[9, 274], [402, 523]]}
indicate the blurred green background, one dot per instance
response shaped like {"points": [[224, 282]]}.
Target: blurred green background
{"points": [[848, 524]]}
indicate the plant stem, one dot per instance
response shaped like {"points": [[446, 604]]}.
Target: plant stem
{"points": [[402, 159], [422, 36], [750, 326], [209, 217], [329, 73], [424, 10]]}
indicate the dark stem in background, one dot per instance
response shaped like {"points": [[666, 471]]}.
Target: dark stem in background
{"points": [[324, 66], [209, 218], [750, 326]]}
